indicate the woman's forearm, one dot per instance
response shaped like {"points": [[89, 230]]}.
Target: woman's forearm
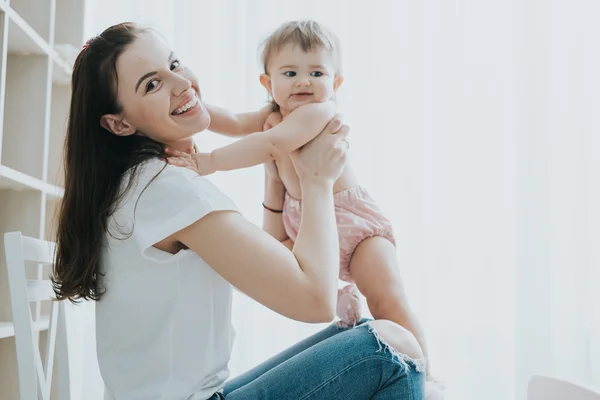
{"points": [[317, 245], [274, 199]]}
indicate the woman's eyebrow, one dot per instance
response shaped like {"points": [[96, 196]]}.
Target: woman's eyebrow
{"points": [[149, 74]]}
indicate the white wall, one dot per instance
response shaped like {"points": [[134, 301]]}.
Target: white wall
{"points": [[481, 117]]}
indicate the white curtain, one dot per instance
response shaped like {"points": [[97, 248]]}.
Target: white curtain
{"points": [[475, 125]]}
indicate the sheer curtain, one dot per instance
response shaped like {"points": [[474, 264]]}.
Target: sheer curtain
{"points": [[474, 124]]}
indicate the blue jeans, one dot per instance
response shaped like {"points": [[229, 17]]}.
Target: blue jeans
{"points": [[336, 363]]}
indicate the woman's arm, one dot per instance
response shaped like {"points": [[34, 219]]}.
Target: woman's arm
{"points": [[273, 200], [294, 284], [301, 284], [299, 128], [227, 123]]}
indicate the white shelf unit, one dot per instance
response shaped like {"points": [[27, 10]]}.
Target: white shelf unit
{"points": [[34, 102]]}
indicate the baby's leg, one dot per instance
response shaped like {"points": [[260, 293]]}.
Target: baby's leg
{"points": [[289, 244], [375, 270]]}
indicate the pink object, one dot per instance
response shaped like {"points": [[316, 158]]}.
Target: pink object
{"points": [[348, 306], [88, 43], [358, 217]]}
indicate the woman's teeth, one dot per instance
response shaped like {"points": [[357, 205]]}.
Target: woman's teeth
{"points": [[186, 106]]}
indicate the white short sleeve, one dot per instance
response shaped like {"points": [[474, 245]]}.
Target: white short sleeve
{"points": [[169, 202]]}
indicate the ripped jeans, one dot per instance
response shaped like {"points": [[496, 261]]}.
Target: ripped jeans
{"points": [[336, 363]]}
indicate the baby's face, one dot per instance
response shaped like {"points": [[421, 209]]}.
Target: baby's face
{"points": [[296, 77]]}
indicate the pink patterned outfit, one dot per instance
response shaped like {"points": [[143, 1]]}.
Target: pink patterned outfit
{"points": [[358, 218]]}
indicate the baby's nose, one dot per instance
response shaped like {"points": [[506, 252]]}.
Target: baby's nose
{"points": [[302, 82]]}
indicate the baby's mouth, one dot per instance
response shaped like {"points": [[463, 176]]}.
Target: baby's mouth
{"points": [[301, 94]]}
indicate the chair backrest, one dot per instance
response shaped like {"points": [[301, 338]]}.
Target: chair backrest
{"points": [[35, 377], [547, 388]]}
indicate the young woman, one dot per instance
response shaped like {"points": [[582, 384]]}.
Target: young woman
{"points": [[160, 248]]}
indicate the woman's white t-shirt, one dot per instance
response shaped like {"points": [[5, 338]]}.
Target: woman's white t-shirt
{"points": [[163, 325]]}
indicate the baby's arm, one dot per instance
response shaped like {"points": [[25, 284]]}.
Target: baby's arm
{"points": [[227, 123], [272, 121], [299, 128]]}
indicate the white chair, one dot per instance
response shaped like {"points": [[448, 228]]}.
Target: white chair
{"points": [[546, 388], [34, 378]]}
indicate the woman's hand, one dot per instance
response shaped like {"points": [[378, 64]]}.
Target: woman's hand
{"points": [[325, 156]]}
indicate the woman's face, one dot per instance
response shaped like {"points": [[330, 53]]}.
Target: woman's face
{"points": [[159, 95]]}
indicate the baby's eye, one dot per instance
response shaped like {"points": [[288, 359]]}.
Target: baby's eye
{"points": [[175, 64], [316, 73], [153, 84], [289, 73]]}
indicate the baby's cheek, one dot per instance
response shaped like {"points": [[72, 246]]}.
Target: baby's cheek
{"points": [[324, 96], [281, 94], [326, 92]]}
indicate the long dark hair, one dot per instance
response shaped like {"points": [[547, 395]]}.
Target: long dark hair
{"points": [[95, 163]]}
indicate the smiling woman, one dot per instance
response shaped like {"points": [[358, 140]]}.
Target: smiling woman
{"points": [[160, 248], [182, 113]]}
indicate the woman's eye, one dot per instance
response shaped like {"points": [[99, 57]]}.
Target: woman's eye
{"points": [[151, 85], [316, 73], [289, 73], [175, 64]]}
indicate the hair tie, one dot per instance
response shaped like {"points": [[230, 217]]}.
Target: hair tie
{"points": [[88, 43]]}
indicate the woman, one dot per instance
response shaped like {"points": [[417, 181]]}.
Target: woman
{"points": [[160, 248]]}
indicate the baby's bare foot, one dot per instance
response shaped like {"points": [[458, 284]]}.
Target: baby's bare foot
{"points": [[348, 306]]}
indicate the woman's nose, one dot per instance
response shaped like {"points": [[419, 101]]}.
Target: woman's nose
{"points": [[181, 85]]}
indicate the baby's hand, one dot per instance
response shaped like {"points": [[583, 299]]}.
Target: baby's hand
{"points": [[204, 163], [200, 163], [272, 120]]}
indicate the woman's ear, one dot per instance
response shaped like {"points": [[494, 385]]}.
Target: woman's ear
{"points": [[338, 82], [116, 124], [265, 80]]}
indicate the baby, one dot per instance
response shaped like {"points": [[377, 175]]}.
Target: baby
{"points": [[302, 73]]}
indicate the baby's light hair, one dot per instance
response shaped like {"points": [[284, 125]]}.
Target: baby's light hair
{"points": [[307, 34]]}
